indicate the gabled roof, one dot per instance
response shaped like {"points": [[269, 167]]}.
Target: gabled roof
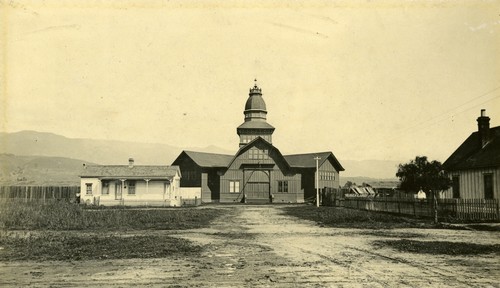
{"points": [[307, 160], [152, 171], [203, 159], [252, 143], [212, 160], [471, 156]]}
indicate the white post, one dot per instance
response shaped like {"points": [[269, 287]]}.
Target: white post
{"points": [[147, 186], [317, 183], [123, 191]]}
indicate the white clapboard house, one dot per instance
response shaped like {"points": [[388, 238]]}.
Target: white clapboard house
{"points": [[131, 185]]}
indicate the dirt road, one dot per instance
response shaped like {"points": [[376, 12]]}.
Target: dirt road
{"points": [[257, 246]]}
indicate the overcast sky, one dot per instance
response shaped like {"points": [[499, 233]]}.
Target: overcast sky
{"points": [[364, 80]]}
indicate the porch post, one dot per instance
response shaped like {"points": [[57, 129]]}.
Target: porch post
{"points": [[123, 190], [147, 185]]}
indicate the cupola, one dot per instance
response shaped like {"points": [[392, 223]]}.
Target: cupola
{"points": [[255, 107], [255, 124]]}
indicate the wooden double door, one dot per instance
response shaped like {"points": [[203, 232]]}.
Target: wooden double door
{"points": [[257, 186]]}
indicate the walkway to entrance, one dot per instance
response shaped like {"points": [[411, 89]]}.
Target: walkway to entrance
{"points": [[258, 246]]}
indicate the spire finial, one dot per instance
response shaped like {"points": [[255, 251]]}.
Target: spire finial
{"points": [[255, 89]]}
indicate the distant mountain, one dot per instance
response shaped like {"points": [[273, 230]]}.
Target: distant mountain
{"points": [[31, 143], [39, 170]]}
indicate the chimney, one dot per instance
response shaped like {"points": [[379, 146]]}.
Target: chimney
{"points": [[483, 125], [130, 162]]}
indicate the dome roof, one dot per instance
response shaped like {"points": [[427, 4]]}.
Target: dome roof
{"points": [[255, 102]]}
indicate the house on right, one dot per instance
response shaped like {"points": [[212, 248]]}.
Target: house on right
{"points": [[474, 167]]}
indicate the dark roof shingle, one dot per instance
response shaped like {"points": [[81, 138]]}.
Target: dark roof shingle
{"points": [[470, 155], [153, 171], [307, 160], [203, 159]]}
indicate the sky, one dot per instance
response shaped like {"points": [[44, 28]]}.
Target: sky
{"points": [[385, 80]]}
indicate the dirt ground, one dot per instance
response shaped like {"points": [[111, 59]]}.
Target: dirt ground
{"points": [[257, 246]]}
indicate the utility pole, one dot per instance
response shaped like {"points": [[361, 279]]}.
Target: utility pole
{"points": [[317, 182]]}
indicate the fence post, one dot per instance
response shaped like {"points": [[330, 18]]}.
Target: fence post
{"points": [[435, 208]]}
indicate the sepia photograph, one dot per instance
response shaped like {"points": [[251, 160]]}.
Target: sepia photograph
{"points": [[156, 143]]}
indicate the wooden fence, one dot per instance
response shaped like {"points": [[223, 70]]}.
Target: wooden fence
{"points": [[38, 193], [447, 209]]}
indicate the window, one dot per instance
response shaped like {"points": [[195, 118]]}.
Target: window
{"points": [[89, 188], [456, 186], [283, 186], [258, 154], [488, 186], [247, 138], [105, 188], [234, 186], [131, 187]]}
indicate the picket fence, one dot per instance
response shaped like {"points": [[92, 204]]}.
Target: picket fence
{"points": [[38, 193], [447, 209]]}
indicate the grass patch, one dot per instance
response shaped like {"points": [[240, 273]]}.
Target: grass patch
{"points": [[351, 218], [438, 247], [68, 216], [48, 246]]}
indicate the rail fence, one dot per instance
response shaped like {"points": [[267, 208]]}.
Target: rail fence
{"points": [[446, 209]]}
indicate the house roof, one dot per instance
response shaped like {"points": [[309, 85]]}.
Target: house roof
{"points": [[213, 160], [153, 171], [203, 159], [307, 160], [470, 155]]}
